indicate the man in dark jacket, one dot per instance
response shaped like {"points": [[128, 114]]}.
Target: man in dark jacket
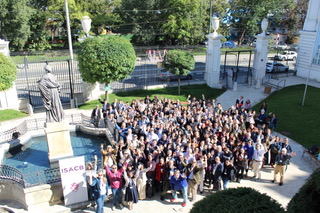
{"points": [[217, 170], [282, 160], [96, 116]]}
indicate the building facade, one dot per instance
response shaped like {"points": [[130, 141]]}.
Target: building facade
{"points": [[308, 62]]}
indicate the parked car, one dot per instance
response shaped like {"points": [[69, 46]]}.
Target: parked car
{"points": [[276, 67], [229, 44], [282, 46], [286, 55], [165, 75]]}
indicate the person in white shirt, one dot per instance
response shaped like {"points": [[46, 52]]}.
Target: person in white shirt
{"points": [[258, 154]]}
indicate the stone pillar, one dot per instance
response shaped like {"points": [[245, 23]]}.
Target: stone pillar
{"points": [[213, 56], [59, 142], [261, 55], [4, 47]]}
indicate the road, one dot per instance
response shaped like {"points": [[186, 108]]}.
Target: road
{"points": [[144, 74]]}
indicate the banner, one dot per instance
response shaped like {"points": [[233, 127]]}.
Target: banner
{"points": [[73, 180]]}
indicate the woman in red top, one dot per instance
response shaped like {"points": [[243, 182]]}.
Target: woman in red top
{"points": [[160, 169], [115, 177]]}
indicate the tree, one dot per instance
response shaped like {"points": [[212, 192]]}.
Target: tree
{"points": [[8, 72], [179, 62], [185, 21], [308, 197], [245, 16], [14, 22], [106, 59], [237, 200], [142, 20]]}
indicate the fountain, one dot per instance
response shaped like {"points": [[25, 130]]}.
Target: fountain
{"points": [[26, 175]]}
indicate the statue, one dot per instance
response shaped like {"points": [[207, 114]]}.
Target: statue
{"points": [[49, 89]]}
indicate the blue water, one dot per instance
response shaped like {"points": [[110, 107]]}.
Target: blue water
{"points": [[34, 159]]}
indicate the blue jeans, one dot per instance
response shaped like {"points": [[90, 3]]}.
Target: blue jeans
{"points": [[184, 191], [100, 203], [225, 181], [117, 196]]}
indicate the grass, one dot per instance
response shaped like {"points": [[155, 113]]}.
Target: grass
{"points": [[300, 123], [169, 92], [9, 114]]}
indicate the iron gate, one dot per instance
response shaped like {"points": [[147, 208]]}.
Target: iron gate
{"points": [[29, 73]]}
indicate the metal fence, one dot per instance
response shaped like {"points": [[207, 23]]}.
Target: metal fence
{"points": [[11, 174], [30, 72], [39, 123]]}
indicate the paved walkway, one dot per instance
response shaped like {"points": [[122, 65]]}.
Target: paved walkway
{"points": [[298, 171]]}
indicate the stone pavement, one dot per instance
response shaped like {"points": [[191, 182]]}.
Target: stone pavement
{"points": [[298, 171]]}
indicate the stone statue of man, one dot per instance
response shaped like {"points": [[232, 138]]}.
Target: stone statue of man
{"points": [[49, 89]]}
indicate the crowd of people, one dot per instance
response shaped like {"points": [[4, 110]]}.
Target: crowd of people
{"points": [[164, 146]]}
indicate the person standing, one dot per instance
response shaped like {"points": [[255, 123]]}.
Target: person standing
{"points": [[131, 192], [179, 182], [228, 173], [282, 161], [217, 170], [115, 177], [258, 154], [99, 185], [96, 116], [193, 174]]}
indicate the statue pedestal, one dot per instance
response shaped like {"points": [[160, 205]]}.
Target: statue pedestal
{"points": [[59, 142]]}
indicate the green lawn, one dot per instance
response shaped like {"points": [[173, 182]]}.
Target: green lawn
{"points": [[169, 92], [9, 114], [301, 123]]}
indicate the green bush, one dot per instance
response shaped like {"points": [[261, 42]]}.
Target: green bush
{"points": [[8, 72], [236, 200], [106, 59], [308, 197]]}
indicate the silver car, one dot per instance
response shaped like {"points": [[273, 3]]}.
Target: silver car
{"points": [[165, 75], [276, 67]]}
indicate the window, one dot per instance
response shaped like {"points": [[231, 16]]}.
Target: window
{"points": [[316, 56]]}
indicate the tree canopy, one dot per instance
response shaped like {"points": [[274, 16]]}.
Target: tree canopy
{"points": [[14, 24], [179, 62], [106, 59], [8, 72]]}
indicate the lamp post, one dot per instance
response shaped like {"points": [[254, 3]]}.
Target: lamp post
{"points": [[86, 24], [72, 102]]}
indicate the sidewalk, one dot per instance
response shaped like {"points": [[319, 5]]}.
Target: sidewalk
{"points": [[298, 171]]}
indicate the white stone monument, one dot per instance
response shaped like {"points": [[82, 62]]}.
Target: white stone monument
{"points": [[261, 54], [213, 56]]}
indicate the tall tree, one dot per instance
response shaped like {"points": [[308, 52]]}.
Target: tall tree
{"points": [[294, 18], [14, 21], [184, 21], [142, 20], [246, 15]]}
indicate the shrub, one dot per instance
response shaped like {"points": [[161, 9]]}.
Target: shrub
{"points": [[237, 200], [308, 197], [8, 72]]}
